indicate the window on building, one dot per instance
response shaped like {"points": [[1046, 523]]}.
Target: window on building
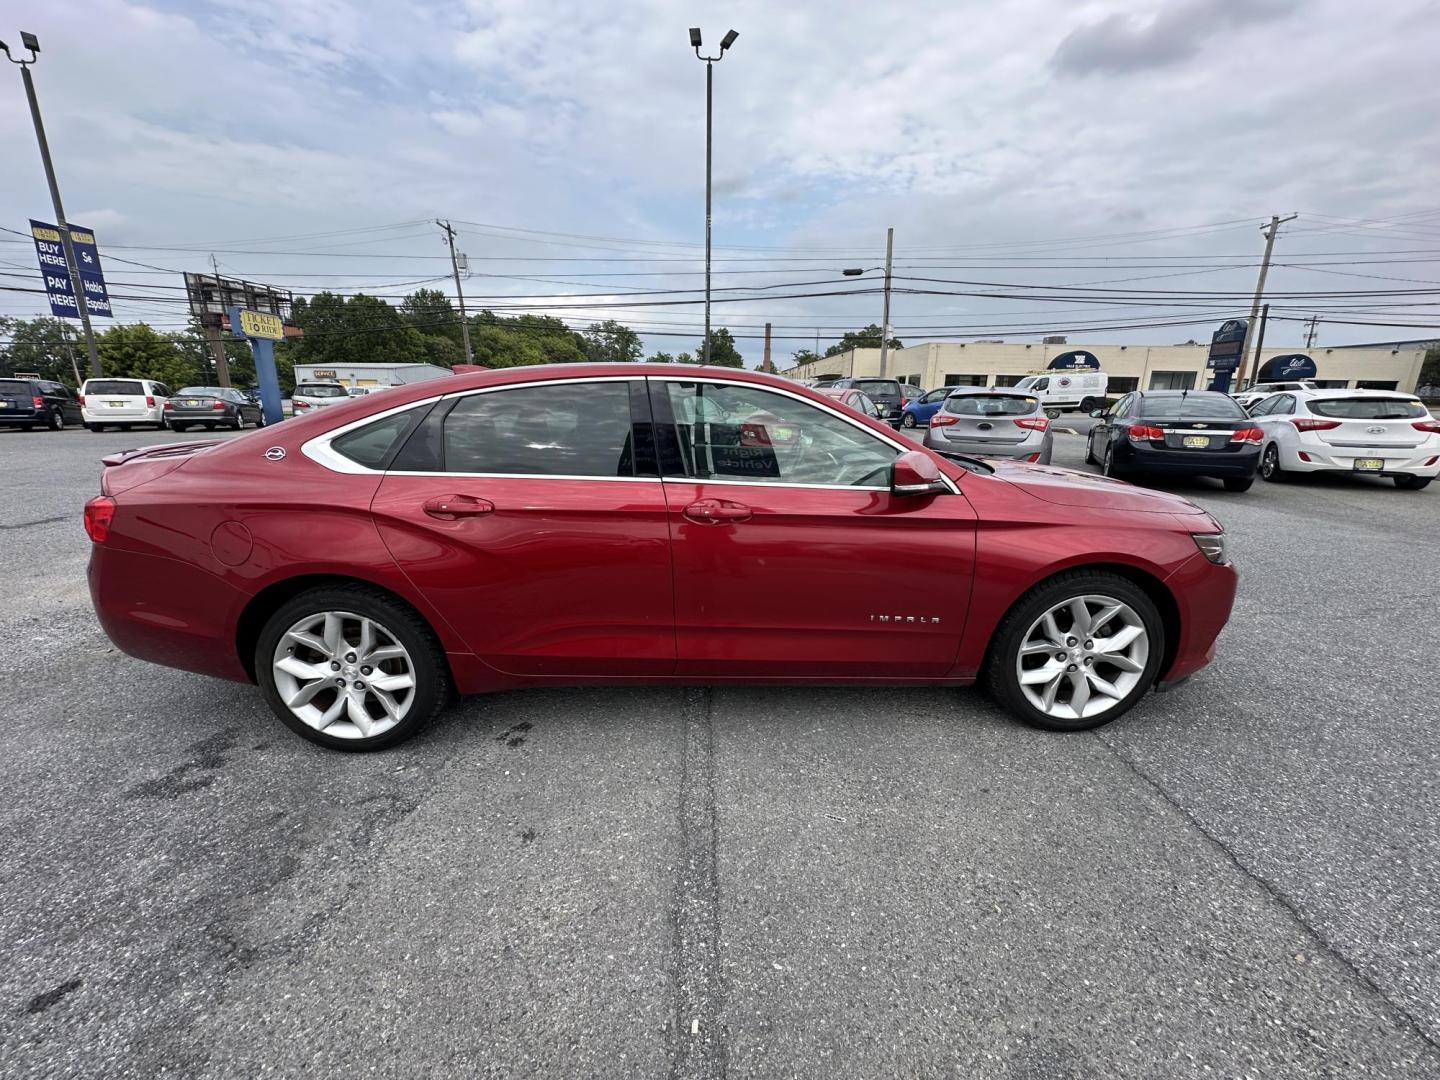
{"points": [[1011, 380], [1332, 384], [1172, 380], [1123, 384], [964, 380]]}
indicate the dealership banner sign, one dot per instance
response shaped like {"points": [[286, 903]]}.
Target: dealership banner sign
{"points": [[59, 289]]}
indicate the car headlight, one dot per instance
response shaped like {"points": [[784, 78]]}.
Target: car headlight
{"points": [[1211, 545]]}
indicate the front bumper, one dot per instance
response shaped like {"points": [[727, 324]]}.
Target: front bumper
{"points": [[1204, 595]]}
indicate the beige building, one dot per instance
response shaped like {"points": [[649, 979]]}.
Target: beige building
{"points": [[1130, 367]]}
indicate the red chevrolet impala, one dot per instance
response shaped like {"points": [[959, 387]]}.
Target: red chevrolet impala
{"points": [[620, 524]]}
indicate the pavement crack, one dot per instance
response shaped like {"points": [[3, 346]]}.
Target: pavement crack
{"points": [[1404, 1018], [37, 521], [697, 984]]}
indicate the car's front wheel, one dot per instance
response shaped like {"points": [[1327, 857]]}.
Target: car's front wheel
{"points": [[351, 668], [1076, 652], [908, 420]]}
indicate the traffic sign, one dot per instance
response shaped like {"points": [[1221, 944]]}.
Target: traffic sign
{"points": [[59, 290]]}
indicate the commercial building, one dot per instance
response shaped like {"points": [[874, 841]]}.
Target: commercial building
{"points": [[1130, 367], [369, 375]]}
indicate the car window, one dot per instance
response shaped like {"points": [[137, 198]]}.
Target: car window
{"points": [[321, 390], [878, 387], [730, 432], [374, 444], [991, 404], [1263, 407], [1203, 405], [571, 429], [1370, 409], [865, 405], [1039, 384], [1284, 405], [126, 387]]}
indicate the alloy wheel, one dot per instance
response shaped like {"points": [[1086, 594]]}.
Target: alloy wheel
{"points": [[344, 674], [1082, 657], [908, 420], [1270, 463]]}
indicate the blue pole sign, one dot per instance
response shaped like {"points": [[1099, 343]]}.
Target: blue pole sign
{"points": [[1227, 347], [1075, 359], [262, 330], [59, 289]]}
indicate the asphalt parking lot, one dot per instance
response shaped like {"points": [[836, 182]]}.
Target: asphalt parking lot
{"points": [[1239, 878]]}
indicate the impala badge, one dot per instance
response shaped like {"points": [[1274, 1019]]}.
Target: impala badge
{"points": [[921, 620]]}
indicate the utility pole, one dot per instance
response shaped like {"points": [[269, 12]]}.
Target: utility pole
{"points": [[1311, 333], [765, 364], [217, 339], [82, 306], [459, 292], [1270, 230], [70, 353], [885, 318], [1260, 338]]}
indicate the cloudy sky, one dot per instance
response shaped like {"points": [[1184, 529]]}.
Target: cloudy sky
{"points": [[1035, 157]]}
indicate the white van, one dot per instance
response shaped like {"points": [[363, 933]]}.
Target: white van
{"points": [[122, 402], [1066, 391]]}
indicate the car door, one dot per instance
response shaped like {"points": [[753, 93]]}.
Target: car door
{"points": [[930, 404], [532, 520], [1272, 415], [788, 543], [1100, 431]]}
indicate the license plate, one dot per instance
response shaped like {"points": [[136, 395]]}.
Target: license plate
{"points": [[1196, 442], [188, 403], [116, 404], [1369, 464]]}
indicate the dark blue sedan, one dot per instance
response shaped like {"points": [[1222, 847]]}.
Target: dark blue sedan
{"points": [[1179, 432]]}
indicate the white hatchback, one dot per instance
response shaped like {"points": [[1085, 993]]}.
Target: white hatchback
{"points": [[1379, 432], [122, 403]]}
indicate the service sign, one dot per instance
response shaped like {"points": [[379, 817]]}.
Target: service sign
{"points": [[59, 290], [261, 324]]}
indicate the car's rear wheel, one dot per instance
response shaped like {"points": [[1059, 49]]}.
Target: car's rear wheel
{"points": [[1412, 483], [351, 668], [1076, 652], [1087, 405], [56, 421], [1238, 483], [1270, 465], [179, 427], [95, 427], [907, 420], [1107, 462]]}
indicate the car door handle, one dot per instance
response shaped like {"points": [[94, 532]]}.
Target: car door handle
{"points": [[450, 507], [716, 511]]}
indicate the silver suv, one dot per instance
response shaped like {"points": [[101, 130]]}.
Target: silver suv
{"points": [[993, 423]]}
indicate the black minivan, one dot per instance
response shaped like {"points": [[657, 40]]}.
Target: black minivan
{"points": [[889, 396], [34, 403]]}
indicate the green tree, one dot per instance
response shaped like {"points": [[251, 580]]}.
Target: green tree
{"points": [[503, 341], [43, 346], [868, 338], [804, 356], [723, 352], [443, 352], [660, 358], [430, 312], [612, 342], [358, 329], [194, 346], [684, 358], [137, 351]]}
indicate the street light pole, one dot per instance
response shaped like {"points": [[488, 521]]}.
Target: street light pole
{"points": [[31, 43], [710, 61]]}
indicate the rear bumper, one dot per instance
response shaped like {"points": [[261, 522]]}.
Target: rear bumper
{"points": [[1241, 462], [193, 630], [200, 416], [936, 440], [123, 416], [13, 417], [1409, 461]]}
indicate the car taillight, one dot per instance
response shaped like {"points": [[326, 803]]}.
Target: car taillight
{"points": [[1247, 434], [1305, 423], [169, 404], [1427, 425], [904, 401], [1034, 423], [99, 513], [941, 420], [1033, 458], [1141, 432], [218, 406], [301, 404], [38, 402], [82, 401], [149, 401]]}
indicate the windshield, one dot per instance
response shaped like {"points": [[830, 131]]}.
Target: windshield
{"points": [[320, 390], [991, 404], [1191, 406], [1369, 409], [212, 391], [127, 387], [878, 387]]}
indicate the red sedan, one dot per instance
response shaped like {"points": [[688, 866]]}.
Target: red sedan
{"points": [[617, 524]]}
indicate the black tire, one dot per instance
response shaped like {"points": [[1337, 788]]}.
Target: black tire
{"points": [[999, 673], [1089, 457], [179, 427], [1053, 414], [1270, 469], [209, 427], [1238, 483], [1107, 463], [432, 674], [239, 424], [95, 427], [124, 427], [56, 420], [907, 420], [1087, 405], [260, 419], [1412, 483]]}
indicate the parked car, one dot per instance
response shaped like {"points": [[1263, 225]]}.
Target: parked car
{"points": [[855, 399], [1260, 391], [888, 394], [1178, 432], [37, 403], [211, 407], [317, 395], [992, 423], [666, 528], [1067, 391], [1381, 432], [123, 403], [920, 408]]}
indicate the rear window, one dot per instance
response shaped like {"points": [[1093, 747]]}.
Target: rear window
{"points": [[881, 387], [320, 390], [16, 386], [1370, 409], [124, 387], [991, 404], [1191, 406], [202, 391]]}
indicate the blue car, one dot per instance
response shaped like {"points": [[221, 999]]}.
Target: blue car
{"points": [[918, 411]]}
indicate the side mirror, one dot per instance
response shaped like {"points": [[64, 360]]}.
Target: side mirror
{"points": [[915, 473], [1096, 414]]}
